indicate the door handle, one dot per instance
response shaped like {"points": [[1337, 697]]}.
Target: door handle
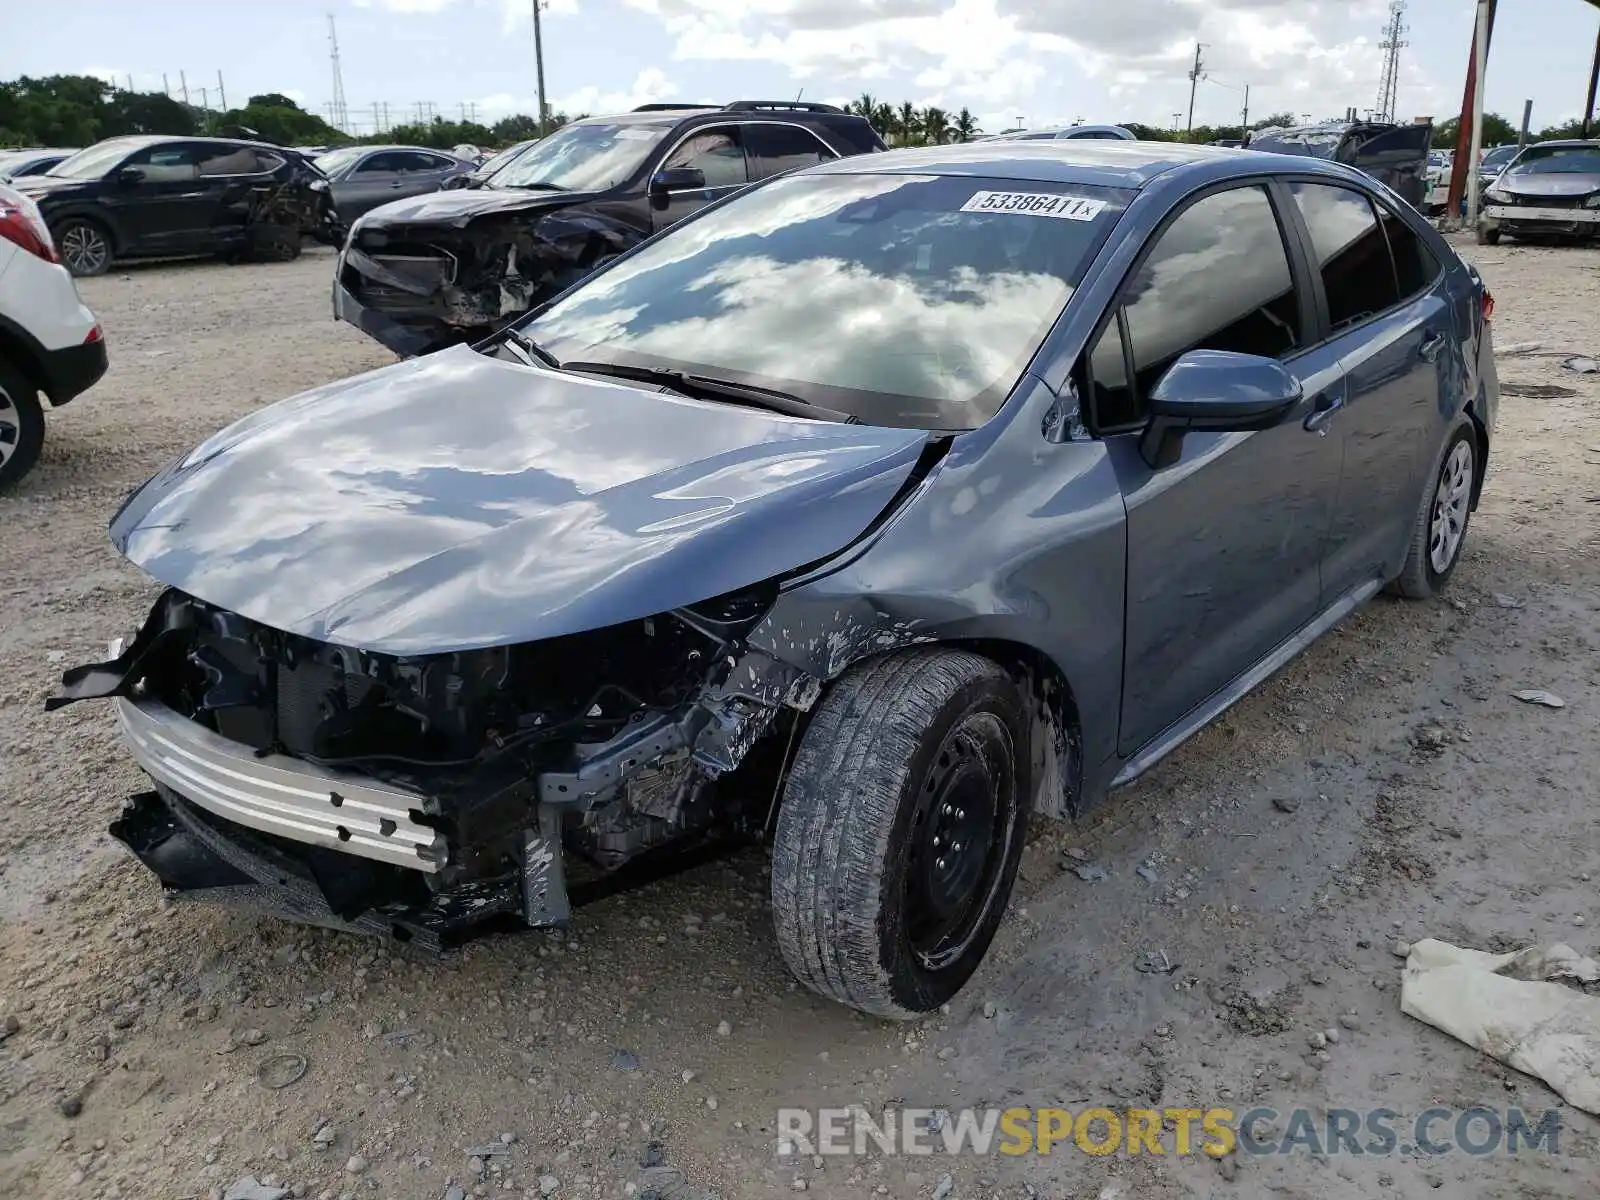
{"points": [[1432, 344], [1318, 419]]}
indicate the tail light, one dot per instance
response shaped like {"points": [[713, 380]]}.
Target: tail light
{"points": [[1488, 305], [21, 223]]}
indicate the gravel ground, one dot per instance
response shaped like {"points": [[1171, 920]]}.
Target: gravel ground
{"points": [[1385, 787]]}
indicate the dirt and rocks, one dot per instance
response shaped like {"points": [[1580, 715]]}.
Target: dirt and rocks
{"points": [[1221, 935]]}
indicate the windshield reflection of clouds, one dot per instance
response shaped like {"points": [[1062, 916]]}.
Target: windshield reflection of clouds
{"points": [[582, 158], [871, 284]]}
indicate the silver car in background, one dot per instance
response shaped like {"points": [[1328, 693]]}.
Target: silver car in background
{"points": [[363, 177]]}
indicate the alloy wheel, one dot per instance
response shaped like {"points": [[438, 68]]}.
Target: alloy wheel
{"points": [[1448, 523], [84, 249], [10, 427]]}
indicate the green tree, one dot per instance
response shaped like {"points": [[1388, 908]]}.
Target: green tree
{"points": [[276, 118], [965, 127], [1276, 121], [910, 122], [1497, 131], [518, 127], [935, 126], [1572, 129]]}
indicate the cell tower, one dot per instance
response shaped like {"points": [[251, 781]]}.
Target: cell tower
{"points": [[1393, 42], [340, 113]]}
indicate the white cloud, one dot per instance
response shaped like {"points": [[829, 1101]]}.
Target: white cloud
{"points": [[999, 56], [651, 84]]}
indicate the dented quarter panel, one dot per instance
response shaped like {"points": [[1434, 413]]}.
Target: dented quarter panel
{"points": [[1013, 539], [531, 505]]}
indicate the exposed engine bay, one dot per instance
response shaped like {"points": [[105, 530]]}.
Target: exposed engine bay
{"points": [[604, 744], [448, 284]]}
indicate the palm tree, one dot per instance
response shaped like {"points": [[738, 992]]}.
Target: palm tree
{"points": [[909, 122], [866, 105], [966, 126], [935, 126], [883, 119]]}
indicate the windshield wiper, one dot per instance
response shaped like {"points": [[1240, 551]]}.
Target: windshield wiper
{"points": [[530, 347], [538, 186], [705, 387]]}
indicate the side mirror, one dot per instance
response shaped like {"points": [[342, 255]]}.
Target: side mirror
{"points": [[456, 181], [677, 179], [130, 176], [1216, 391]]}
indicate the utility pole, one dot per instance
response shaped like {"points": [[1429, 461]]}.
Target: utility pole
{"points": [[184, 84], [1244, 121], [205, 100], [1177, 119], [222, 96], [538, 61], [1527, 116], [165, 86], [1480, 68], [1195, 76], [130, 81], [1464, 169], [1594, 79]]}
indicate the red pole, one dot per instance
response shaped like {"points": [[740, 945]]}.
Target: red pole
{"points": [[1459, 168]]}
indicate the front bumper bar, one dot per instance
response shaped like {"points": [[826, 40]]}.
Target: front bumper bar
{"points": [[278, 795]]}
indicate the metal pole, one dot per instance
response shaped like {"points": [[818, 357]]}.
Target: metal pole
{"points": [[165, 86], [1527, 116], [222, 96], [1244, 122], [538, 59], [1462, 171], [1594, 78], [1480, 64], [1194, 82], [184, 84]]}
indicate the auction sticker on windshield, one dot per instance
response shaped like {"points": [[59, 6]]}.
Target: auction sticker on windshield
{"points": [[1035, 204]]}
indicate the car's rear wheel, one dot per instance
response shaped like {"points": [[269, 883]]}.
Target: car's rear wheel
{"points": [[900, 831], [273, 243], [1441, 524], [21, 425], [85, 246]]}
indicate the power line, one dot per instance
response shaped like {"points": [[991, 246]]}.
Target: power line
{"points": [[1393, 42]]}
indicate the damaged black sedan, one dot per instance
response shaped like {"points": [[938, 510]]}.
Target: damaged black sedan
{"points": [[451, 267], [871, 511]]}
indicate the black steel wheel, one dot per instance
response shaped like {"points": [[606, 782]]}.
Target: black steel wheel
{"points": [[900, 831]]}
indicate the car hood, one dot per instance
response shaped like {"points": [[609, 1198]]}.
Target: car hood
{"points": [[1549, 184], [457, 501], [461, 205], [37, 187]]}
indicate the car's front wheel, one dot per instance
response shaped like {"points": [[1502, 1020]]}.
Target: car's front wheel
{"points": [[1440, 531], [1488, 237], [21, 425], [85, 246], [900, 830]]}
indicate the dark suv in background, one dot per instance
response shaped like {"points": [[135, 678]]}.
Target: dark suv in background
{"points": [[453, 266], [161, 197]]}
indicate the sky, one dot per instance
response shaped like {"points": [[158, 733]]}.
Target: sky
{"points": [[1009, 61]]}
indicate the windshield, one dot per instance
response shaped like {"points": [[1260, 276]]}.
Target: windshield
{"points": [[583, 158], [1498, 156], [1307, 143], [95, 161], [1559, 160], [903, 300], [501, 159], [337, 160]]}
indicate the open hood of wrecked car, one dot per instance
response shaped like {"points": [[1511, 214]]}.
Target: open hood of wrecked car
{"points": [[456, 501], [457, 207]]}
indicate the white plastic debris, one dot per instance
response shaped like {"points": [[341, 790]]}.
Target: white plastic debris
{"points": [[1539, 696], [1517, 1008]]}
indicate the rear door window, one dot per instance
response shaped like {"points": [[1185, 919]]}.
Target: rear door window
{"points": [[228, 160], [1415, 266], [774, 149], [386, 163], [1351, 252], [1216, 278]]}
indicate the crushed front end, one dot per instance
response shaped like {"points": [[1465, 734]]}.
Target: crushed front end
{"points": [[419, 286], [435, 797]]}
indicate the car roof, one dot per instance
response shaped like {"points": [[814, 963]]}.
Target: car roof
{"points": [[1588, 144], [1071, 160], [656, 116]]}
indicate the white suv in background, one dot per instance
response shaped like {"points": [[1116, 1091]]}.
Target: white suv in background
{"points": [[50, 343]]}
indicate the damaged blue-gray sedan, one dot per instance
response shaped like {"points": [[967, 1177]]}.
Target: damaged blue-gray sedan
{"points": [[873, 510]]}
